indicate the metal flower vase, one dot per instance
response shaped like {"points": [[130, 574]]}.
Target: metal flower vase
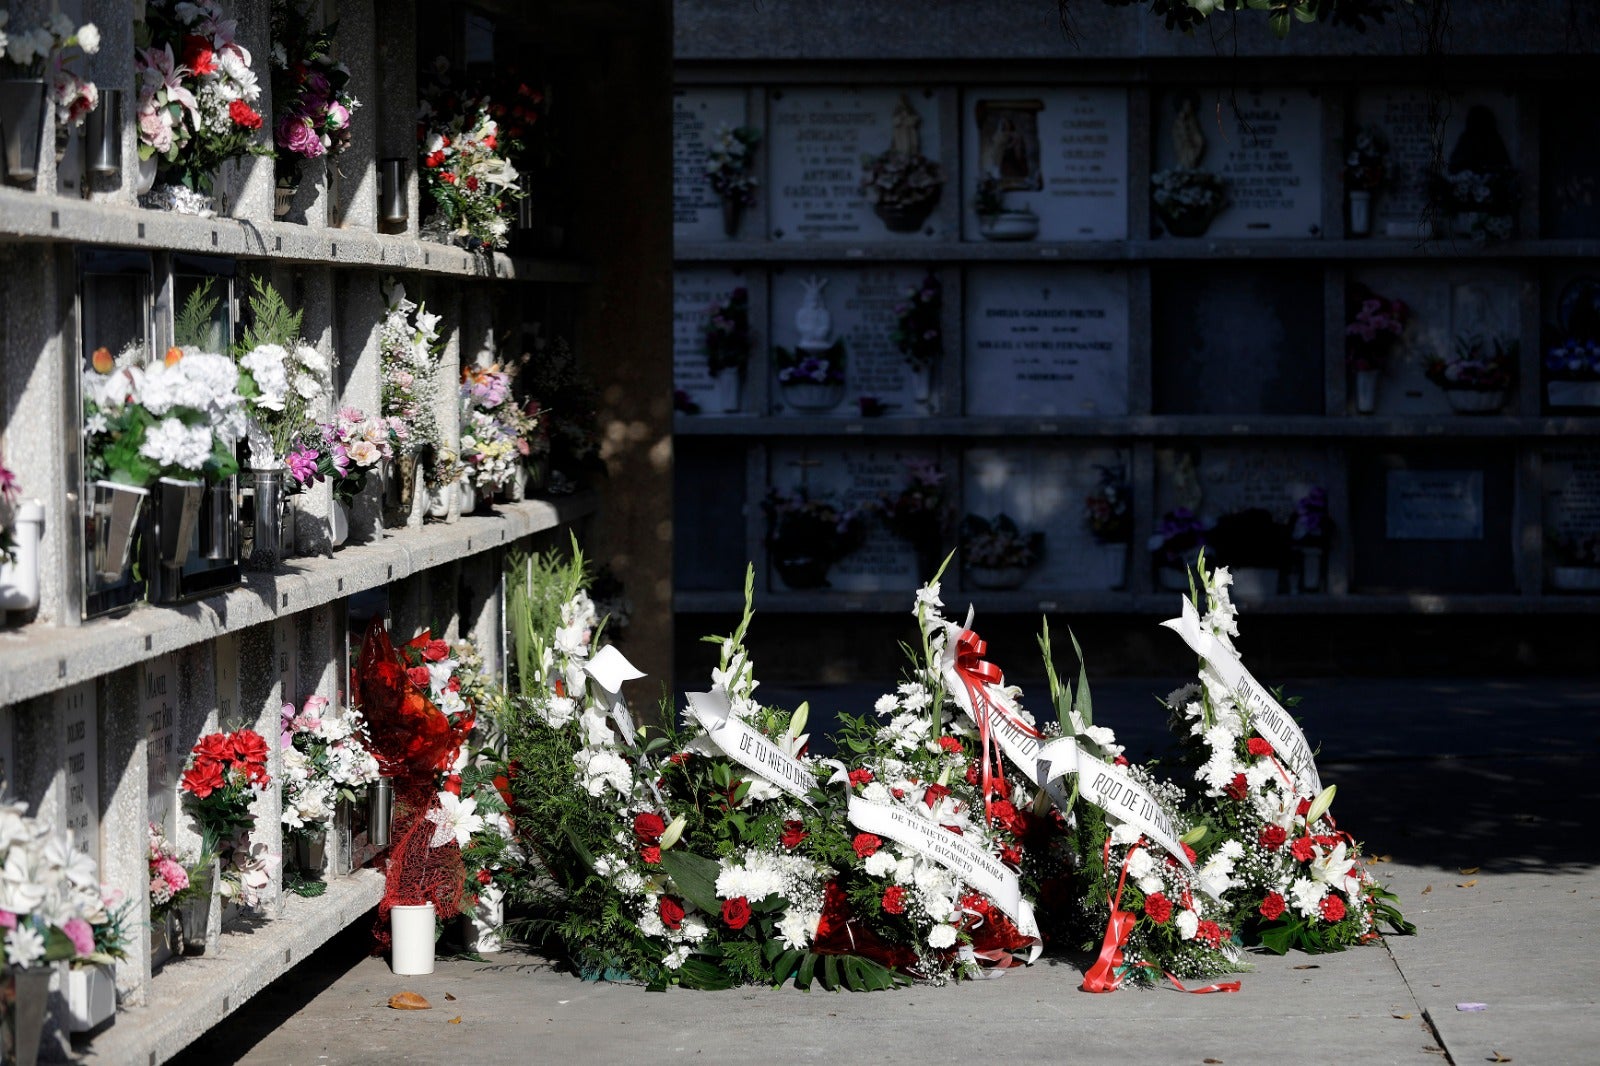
{"points": [[380, 811], [103, 135], [22, 112], [268, 543], [178, 508], [199, 915], [27, 996], [113, 517]]}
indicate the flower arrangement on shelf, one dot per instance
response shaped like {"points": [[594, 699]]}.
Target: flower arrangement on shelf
{"points": [[1188, 199], [498, 432], [169, 879], [178, 417], [1108, 510], [919, 327], [1478, 185], [1366, 167], [1476, 379], [324, 761], [727, 332], [1312, 527], [42, 52], [51, 896], [902, 184], [311, 100], [1176, 544], [466, 165], [799, 366], [1573, 360], [226, 772], [10, 492], [920, 512], [408, 359], [998, 544], [345, 451], [195, 91], [806, 536], [280, 376], [1376, 326], [730, 167]]}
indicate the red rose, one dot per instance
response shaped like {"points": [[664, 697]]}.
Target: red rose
{"points": [[452, 784], [1272, 906], [1303, 849], [1273, 836], [934, 794], [1238, 788], [203, 778], [198, 55], [1332, 907], [244, 115], [436, 651], [454, 685], [860, 777], [1257, 746], [866, 844], [671, 912], [950, 744], [1158, 908], [648, 827], [1209, 932], [651, 855], [1012, 854], [898, 793], [793, 833], [484, 877], [420, 677], [1304, 808], [249, 747], [217, 746], [736, 912], [894, 899]]}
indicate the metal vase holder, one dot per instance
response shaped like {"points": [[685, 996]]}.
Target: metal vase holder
{"points": [[267, 520], [196, 541], [199, 916], [380, 811], [114, 517], [392, 191], [26, 999], [102, 135], [22, 111]]}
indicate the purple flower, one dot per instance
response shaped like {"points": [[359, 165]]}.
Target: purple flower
{"points": [[303, 465], [341, 460], [294, 134]]}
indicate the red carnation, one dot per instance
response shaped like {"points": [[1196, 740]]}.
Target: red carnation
{"points": [[1273, 836], [1303, 849], [1238, 788], [198, 55], [1209, 932], [490, 142], [448, 178], [1257, 746], [1187, 850], [793, 833], [934, 794], [1272, 906], [436, 651], [1121, 760], [203, 778], [972, 773], [1332, 907], [433, 159], [950, 744], [1158, 908], [671, 912], [651, 855], [860, 777], [736, 912], [452, 784], [472, 183], [1012, 854], [648, 827], [1004, 813], [866, 844], [679, 758], [484, 877], [894, 899], [419, 677], [244, 115]]}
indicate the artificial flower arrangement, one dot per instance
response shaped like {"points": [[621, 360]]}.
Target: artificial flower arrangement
{"points": [[730, 164], [311, 100], [902, 184], [465, 164], [280, 376], [1366, 167], [1311, 526], [225, 774], [345, 451], [196, 89], [1484, 202], [177, 417], [1108, 510], [10, 491], [1377, 325], [43, 52], [918, 326], [998, 544], [727, 334], [50, 898], [1188, 199], [1481, 364], [920, 512], [1573, 360], [491, 446], [169, 879], [324, 762], [1178, 538], [409, 347], [1292, 878], [806, 536], [801, 366]]}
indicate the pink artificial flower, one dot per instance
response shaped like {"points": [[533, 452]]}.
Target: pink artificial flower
{"points": [[294, 134], [81, 934], [7, 920], [9, 487]]}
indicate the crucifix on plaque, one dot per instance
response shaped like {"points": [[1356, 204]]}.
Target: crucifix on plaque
{"points": [[805, 466]]}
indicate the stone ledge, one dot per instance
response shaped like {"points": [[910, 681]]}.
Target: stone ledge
{"points": [[41, 658], [191, 994]]}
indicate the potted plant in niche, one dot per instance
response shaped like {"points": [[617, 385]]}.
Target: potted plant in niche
{"points": [[311, 101], [226, 772], [1309, 537], [1108, 513], [1366, 170], [902, 184], [919, 513], [1476, 380], [919, 333], [996, 555], [1175, 548], [1478, 187], [996, 221], [1377, 325], [730, 166], [1254, 546], [806, 536], [727, 345]]}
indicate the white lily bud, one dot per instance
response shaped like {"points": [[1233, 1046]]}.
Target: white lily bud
{"points": [[798, 721], [1321, 805], [670, 835]]}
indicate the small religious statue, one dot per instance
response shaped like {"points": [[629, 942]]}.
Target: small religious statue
{"points": [[907, 139], [1188, 139], [812, 321]]}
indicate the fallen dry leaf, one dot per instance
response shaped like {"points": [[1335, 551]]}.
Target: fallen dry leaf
{"points": [[448, 996], [1468, 871], [454, 1021], [1427, 890], [1213, 1062], [409, 1001], [1308, 966], [1467, 884], [1495, 1056], [1402, 1017]]}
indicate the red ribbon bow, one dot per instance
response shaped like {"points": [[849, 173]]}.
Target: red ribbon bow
{"points": [[976, 676]]}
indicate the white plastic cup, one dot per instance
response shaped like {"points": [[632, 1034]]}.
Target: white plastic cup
{"points": [[411, 947]]}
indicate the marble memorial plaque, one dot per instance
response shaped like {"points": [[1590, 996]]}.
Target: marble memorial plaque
{"points": [[856, 478], [1059, 153], [1044, 489], [860, 311], [1047, 341], [1266, 145], [1434, 505], [818, 140], [1571, 506], [77, 710], [229, 713], [158, 710], [697, 115], [1420, 128], [693, 292]]}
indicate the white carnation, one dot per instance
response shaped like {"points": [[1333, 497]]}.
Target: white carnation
{"points": [[942, 936]]}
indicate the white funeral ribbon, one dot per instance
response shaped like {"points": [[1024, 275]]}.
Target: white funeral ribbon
{"points": [[610, 669], [1115, 791], [749, 748], [973, 865], [1267, 716]]}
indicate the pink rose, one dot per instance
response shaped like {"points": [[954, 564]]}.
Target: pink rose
{"points": [[294, 134]]}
